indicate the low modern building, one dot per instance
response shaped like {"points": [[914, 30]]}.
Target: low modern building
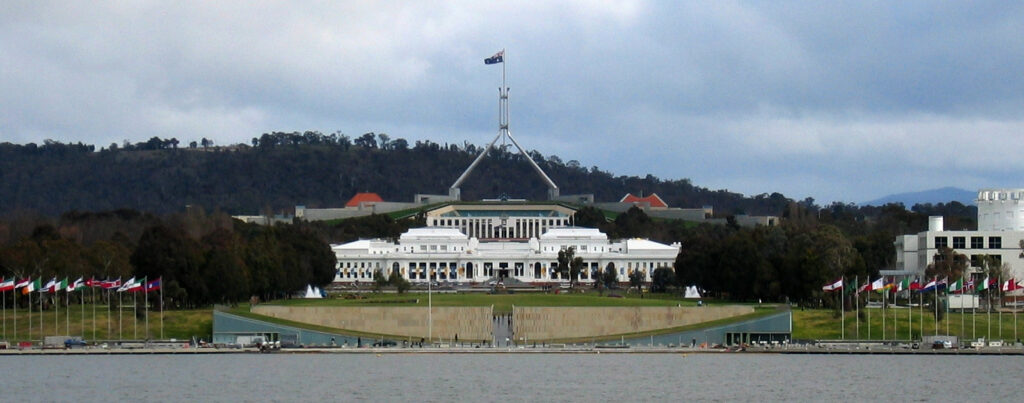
{"points": [[476, 243], [1000, 235]]}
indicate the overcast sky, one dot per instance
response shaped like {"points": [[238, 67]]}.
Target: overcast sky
{"points": [[833, 100]]}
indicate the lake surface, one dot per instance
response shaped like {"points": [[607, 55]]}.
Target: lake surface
{"points": [[511, 377]]}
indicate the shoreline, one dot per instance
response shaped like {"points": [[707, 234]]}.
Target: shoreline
{"points": [[797, 350]]}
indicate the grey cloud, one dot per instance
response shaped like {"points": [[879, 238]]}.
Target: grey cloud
{"points": [[837, 100]]}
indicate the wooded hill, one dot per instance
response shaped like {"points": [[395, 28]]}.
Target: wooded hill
{"points": [[280, 170]]}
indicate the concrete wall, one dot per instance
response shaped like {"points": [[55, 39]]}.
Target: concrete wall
{"points": [[551, 323], [469, 323]]}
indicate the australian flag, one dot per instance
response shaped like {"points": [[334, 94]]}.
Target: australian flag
{"points": [[497, 58]]}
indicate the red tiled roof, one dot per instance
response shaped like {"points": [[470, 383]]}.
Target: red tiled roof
{"points": [[363, 198], [653, 200]]}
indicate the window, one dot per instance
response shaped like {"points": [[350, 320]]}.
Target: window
{"points": [[959, 242], [995, 242], [976, 260], [977, 242], [941, 242]]}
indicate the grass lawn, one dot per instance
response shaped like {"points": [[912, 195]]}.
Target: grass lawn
{"points": [[178, 324], [822, 324], [502, 302]]}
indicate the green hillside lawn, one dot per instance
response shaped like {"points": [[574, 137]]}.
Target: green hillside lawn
{"points": [[820, 324], [178, 324], [502, 302]]}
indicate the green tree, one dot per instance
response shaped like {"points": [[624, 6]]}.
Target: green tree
{"points": [[610, 278], [661, 279], [590, 217], [565, 257], [379, 280], [636, 279], [400, 283]]}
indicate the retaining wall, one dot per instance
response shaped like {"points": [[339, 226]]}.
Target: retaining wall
{"points": [[553, 323], [469, 323]]}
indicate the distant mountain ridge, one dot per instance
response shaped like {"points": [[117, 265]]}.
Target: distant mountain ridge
{"points": [[933, 196]]}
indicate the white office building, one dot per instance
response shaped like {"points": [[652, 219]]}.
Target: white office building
{"points": [[448, 254], [1000, 234]]}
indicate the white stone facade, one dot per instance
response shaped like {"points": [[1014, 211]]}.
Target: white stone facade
{"points": [[451, 255], [1000, 210], [915, 252]]}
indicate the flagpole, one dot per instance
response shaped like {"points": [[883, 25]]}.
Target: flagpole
{"points": [[988, 309], [856, 304], [910, 311], [145, 305], [884, 300], [842, 313], [893, 307], [946, 319], [974, 313], [920, 308], [935, 302], [161, 279], [81, 300], [5, 315], [92, 288], [963, 283], [1000, 305], [67, 312], [42, 332], [120, 317], [135, 317], [867, 307], [110, 327]]}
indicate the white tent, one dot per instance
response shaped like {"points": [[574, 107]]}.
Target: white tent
{"points": [[310, 293], [691, 292]]}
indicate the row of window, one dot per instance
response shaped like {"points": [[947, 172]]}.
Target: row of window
{"points": [[977, 242], [450, 270]]}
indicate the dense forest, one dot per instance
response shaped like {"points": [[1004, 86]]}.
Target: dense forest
{"points": [[140, 210], [202, 259], [280, 170]]}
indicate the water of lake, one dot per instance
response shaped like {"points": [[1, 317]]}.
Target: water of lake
{"points": [[515, 377]]}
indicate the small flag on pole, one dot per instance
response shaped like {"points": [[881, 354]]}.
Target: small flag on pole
{"points": [[497, 58], [76, 285], [110, 284], [31, 286], [835, 285], [153, 285]]}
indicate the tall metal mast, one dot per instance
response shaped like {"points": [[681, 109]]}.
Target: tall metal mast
{"points": [[503, 131]]}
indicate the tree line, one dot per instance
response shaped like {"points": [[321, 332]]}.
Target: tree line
{"points": [[277, 171], [202, 259]]}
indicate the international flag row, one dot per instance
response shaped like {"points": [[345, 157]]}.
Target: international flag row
{"points": [[959, 286], [28, 285]]}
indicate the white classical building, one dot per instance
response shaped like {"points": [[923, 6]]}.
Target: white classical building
{"points": [[1000, 234], [451, 255]]}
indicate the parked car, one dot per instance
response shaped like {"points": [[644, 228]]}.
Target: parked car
{"points": [[385, 343], [73, 343]]}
